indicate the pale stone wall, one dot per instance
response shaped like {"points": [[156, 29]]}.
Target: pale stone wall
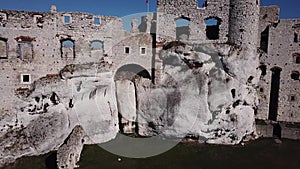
{"points": [[280, 54]]}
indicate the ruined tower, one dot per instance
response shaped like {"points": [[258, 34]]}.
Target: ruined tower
{"points": [[244, 22]]}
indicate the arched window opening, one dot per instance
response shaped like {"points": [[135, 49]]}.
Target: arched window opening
{"points": [[295, 75], [96, 48], [67, 48], [96, 45], [296, 58], [182, 28], [3, 48], [126, 81], [213, 28]]}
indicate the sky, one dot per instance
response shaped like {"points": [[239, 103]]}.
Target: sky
{"points": [[289, 8]]}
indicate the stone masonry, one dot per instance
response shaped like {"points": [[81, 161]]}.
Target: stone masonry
{"points": [[240, 59]]}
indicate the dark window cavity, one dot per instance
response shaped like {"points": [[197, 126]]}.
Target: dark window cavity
{"points": [[296, 37], [143, 50], [25, 78], [263, 69], [127, 50], [274, 94], [213, 28], [233, 93], [292, 98], [296, 57], [295, 75]]}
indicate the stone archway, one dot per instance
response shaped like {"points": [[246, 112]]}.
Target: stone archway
{"points": [[126, 80]]}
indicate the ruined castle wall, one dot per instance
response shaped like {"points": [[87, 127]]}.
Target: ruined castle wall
{"points": [[244, 22], [83, 31], [169, 11], [269, 17], [282, 54], [33, 45], [39, 60]]}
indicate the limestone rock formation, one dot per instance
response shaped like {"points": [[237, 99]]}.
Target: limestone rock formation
{"points": [[206, 91], [200, 95], [69, 153], [50, 110]]}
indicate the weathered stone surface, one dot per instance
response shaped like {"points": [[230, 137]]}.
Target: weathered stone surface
{"points": [[125, 92], [207, 88], [69, 153], [43, 133], [46, 117], [208, 107], [157, 106]]}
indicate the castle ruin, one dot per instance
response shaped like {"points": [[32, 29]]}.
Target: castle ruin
{"points": [[37, 48]]}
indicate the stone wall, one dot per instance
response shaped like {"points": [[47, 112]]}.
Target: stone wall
{"points": [[32, 44], [282, 54], [243, 22], [169, 11]]}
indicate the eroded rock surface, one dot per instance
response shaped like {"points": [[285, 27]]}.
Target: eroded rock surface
{"points": [[204, 93], [69, 153]]}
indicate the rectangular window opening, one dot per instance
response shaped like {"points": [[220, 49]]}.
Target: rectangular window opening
{"points": [[67, 19], [143, 50], [97, 21], [296, 37], [127, 50], [264, 40], [292, 98], [25, 79], [25, 51], [3, 48]]}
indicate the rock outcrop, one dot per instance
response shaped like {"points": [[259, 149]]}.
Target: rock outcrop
{"points": [[205, 91], [69, 153]]}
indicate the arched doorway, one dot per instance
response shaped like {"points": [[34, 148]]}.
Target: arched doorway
{"points": [[130, 72], [126, 79]]}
